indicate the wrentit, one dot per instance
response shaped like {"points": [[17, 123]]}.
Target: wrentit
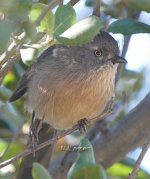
{"points": [[67, 84]]}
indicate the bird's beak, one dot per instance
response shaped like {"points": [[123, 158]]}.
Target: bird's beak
{"points": [[119, 59]]}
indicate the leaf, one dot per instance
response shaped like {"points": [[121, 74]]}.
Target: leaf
{"points": [[29, 53], [47, 24], [128, 26], [82, 32], [139, 5], [85, 157], [39, 172], [65, 17], [88, 172]]}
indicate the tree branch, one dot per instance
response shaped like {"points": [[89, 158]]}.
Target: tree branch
{"points": [[136, 168], [125, 136]]}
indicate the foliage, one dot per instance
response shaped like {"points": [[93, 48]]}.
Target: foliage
{"points": [[62, 26]]}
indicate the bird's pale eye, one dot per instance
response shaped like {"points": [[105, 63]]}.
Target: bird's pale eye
{"points": [[98, 53]]}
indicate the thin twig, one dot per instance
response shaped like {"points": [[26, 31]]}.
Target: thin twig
{"points": [[13, 48], [136, 168], [7, 66], [73, 2], [21, 38], [44, 144], [51, 5], [48, 142], [96, 10]]}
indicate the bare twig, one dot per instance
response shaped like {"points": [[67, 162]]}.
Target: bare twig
{"points": [[29, 150], [44, 144], [51, 5], [7, 66], [96, 10], [136, 168], [13, 49], [73, 2]]}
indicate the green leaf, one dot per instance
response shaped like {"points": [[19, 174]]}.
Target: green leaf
{"points": [[88, 172], [128, 26], [13, 149], [82, 32], [39, 172], [65, 17], [6, 28], [29, 53], [47, 24], [85, 157], [139, 5]]}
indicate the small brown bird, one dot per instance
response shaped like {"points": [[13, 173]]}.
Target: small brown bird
{"points": [[67, 84]]}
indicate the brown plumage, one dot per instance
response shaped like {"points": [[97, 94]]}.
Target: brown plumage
{"points": [[67, 84]]}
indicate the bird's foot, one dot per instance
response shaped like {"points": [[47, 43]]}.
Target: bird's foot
{"points": [[35, 127], [82, 125]]}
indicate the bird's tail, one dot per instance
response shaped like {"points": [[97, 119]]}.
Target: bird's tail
{"points": [[42, 156]]}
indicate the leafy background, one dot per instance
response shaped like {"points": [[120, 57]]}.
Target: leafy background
{"points": [[59, 26]]}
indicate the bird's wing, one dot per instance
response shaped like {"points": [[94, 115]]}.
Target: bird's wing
{"points": [[22, 87], [25, 79]]}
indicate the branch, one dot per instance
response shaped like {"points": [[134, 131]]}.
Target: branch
{"points": [[125, 136], [5, 63], [136, 168], [96, 10], [44, 144], [28, 151]]}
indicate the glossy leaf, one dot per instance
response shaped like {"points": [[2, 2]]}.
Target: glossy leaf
{"points": [[84, 159], [65, 17], [29, 54], [47, 24], [39, 172], [82, 32], [128, 26]]}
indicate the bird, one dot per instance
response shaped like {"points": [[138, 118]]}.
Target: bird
{"points": [[65, 85], [69, 83]]}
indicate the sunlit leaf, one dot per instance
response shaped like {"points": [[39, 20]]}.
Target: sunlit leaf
{"points": [[47, 24], [29, 53], [128, 26], [13, 149], [82, 32], [65, 17]]}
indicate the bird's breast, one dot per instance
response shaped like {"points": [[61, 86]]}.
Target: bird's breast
{"points": [[64, 102]]}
